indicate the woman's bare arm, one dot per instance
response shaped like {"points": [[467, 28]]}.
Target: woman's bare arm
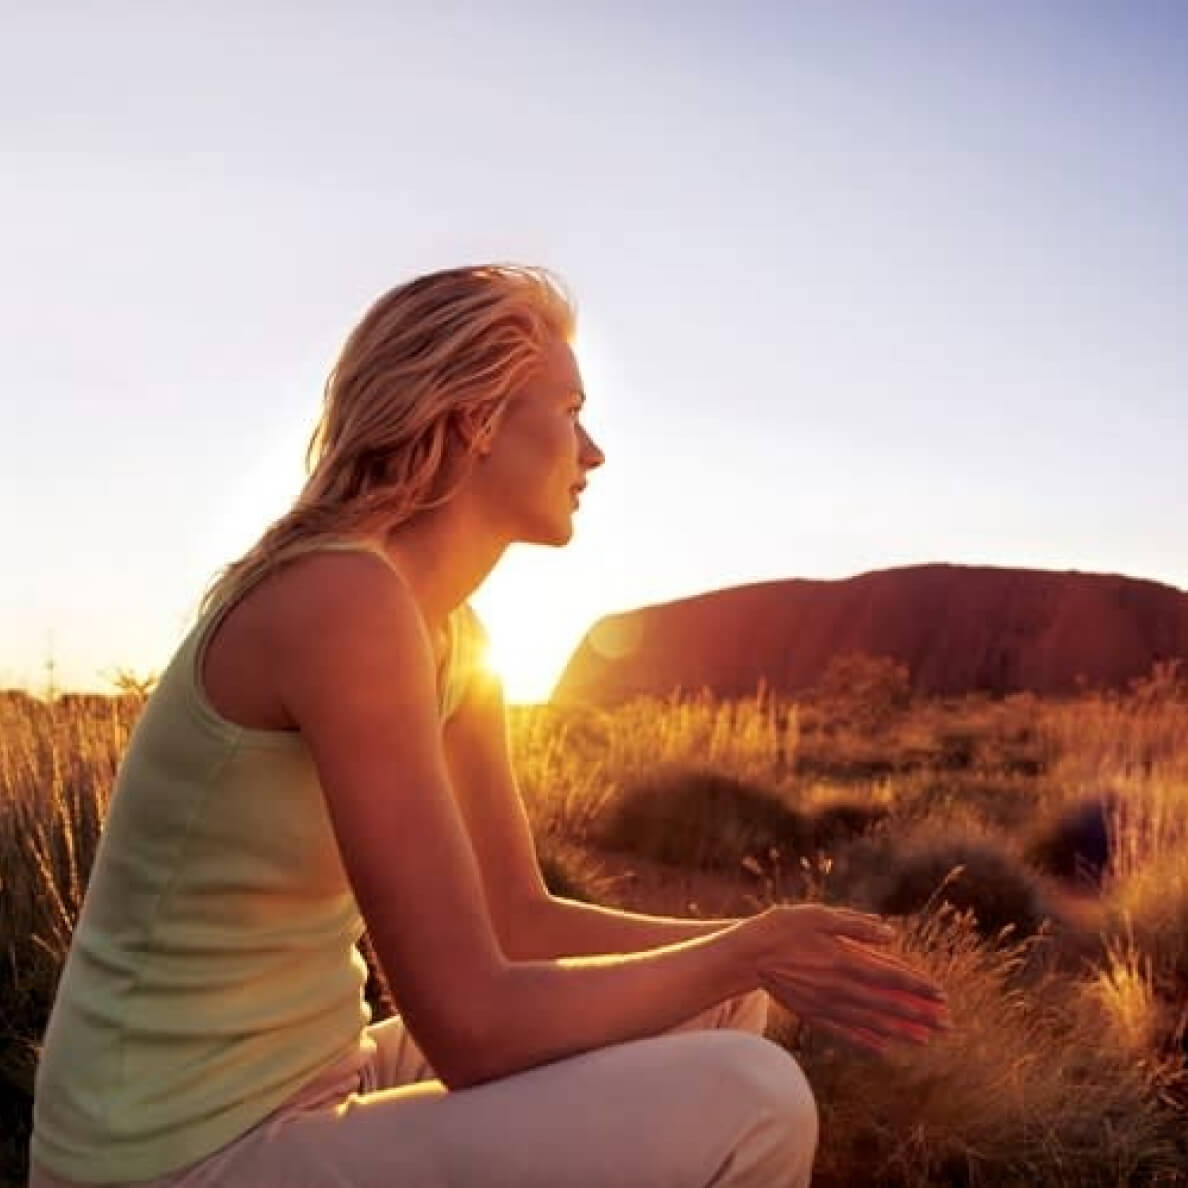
{"points": [[354, 668]]}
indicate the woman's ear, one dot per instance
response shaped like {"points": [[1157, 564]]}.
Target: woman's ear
{"points": [[475, 431]]}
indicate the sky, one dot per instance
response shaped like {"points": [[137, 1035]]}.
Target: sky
{"points": [[859, 285]]}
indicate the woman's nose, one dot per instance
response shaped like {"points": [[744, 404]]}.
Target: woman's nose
{"points": [[592, 455]]}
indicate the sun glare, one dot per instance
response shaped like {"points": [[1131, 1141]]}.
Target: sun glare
{"points": [[528, 675], [533, 628]]}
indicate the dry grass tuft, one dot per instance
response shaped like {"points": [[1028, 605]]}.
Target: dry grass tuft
{"points": [[573, 873]]}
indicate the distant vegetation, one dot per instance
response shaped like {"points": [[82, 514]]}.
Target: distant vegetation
{"points": [[1035, 850]]}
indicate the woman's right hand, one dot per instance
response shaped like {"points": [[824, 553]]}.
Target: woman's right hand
{"points": [[818, 962]]}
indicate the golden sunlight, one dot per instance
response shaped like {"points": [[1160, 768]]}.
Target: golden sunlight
{"points": [[518, 655]]}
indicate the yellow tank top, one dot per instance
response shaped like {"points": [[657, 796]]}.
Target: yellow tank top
{"points": [[213, 970]]}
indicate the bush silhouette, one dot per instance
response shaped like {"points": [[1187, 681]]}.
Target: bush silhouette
{"points": [[972, 873], [699, 818], [866, 692], [843, 821], [1075, 846]]}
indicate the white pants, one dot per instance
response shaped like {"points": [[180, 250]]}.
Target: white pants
{"points": [[709, 1102]]}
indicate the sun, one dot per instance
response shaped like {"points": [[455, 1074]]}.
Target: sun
{"points": [[524, 683], [529, 642]]}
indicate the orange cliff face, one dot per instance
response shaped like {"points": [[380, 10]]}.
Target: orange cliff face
{"points": [[958, 628]]}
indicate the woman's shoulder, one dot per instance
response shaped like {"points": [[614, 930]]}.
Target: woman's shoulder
{"points": [[345, 581], [336, 600]]}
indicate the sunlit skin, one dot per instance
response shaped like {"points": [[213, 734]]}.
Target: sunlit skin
{"points": [[521, 489]]}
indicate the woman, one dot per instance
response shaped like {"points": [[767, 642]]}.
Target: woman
{"points": [[324, 752]]}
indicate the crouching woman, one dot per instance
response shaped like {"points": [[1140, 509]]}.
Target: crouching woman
{"points": [[325, 753]]}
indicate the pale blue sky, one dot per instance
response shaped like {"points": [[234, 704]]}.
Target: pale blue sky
{"points": [[860, 285]]}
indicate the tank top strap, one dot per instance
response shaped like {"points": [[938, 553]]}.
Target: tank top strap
{"points": [[357, 544], [362, 545]]}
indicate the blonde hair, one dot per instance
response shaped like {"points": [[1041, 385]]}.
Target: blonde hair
{"points": [[436, 356]]}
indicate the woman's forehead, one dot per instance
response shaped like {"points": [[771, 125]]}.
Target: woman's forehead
{"points": [[557, 374]]}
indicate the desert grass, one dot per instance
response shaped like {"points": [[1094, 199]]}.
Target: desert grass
{"points": [[57, 766], [1041, 1082], [1067, 1065]]}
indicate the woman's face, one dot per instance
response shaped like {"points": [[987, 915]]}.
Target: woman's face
{"points": [[539, 454]]}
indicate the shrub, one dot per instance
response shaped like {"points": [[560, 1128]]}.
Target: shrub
{"points": [[1075, 845], [958, 747], [972, 873], [867, 692], [844, 820], [698, 818]]}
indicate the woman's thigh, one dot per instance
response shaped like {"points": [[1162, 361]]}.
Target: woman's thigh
{"points": [[689, 1110]]}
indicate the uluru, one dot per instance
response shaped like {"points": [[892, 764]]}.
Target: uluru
{"points": [[958, 628]]}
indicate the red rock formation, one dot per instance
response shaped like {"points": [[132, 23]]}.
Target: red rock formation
{"points": [[958, 628]]}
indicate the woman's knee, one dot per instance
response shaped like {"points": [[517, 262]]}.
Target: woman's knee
{"points": [[765, 1109], [771, 1077]]}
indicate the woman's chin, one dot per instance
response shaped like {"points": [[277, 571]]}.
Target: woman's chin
{"points": [[556, 532], [564, 534]]}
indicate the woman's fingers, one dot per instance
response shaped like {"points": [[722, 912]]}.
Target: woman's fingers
{"points": [[874, 1039], [859, 1035], [878, 969], [842, 963], [882, 1023], [872, 1019], [831, 975], [853, 930], [855, 981], [888, 1009]]}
